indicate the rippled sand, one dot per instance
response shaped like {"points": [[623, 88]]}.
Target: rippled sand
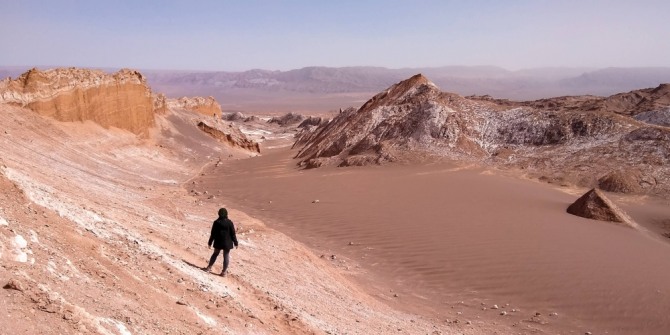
{"points": [[440, 234]]}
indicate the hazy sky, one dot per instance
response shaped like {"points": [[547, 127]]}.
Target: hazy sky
{"points": [[246, 34]]}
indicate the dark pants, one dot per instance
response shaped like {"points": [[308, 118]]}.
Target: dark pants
{"points": [[215, 255]]}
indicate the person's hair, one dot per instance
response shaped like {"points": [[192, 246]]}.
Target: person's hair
{"points": [[223, 213]]}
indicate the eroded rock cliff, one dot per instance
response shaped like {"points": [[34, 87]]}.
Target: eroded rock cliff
{"points": [[121, 100]]}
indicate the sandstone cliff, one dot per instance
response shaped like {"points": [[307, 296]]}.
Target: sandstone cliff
{"points": [[566, 139], [121, 100], [206, 106]]}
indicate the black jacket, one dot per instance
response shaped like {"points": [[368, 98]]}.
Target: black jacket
{"points": [[223, 234]]}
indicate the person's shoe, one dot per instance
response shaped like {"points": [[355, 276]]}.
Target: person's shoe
{"points": [[223, 274], [207, 269]]}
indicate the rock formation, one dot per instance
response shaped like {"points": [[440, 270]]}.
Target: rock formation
{"points": [[623, 182], [160, 103], [659, 117], [287, 119], [312, 121], [121, 100], [234, 117], [566, 138], [206, 106], [595, 205], [232, 136]]}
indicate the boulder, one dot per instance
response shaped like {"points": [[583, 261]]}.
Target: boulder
{"points": [[595, 205]]}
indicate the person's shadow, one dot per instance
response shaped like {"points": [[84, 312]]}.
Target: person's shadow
{"points": [[193, 265]]}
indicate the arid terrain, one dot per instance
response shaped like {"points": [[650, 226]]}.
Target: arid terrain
{"points": [[99, 234], [446, 215]]}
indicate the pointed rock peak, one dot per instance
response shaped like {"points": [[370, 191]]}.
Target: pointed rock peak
{"points": [[415, 81], [595, 205], [665, 87], [417, 84], [418, 79]]}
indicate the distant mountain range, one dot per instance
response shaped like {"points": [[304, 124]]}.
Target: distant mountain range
{"points": [[332, 88]]}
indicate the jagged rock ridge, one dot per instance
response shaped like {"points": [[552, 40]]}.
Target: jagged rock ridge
{"points": [[413, 118], [121, 100]]}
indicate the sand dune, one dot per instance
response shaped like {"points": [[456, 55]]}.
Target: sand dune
{"points": [[441, 234]]}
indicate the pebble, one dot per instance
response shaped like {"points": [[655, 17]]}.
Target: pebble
{"points": [[553, 314], [316, 201], [588, 333], [14, 284], [494, 307], [503, 313], [468, 322]]}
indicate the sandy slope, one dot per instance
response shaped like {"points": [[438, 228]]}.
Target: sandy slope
{"points": [[441, 234], [97, 235]]}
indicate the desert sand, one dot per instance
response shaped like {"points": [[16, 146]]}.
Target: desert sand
{"points": [[458, 241]]}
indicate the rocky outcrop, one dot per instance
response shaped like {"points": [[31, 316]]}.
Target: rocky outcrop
{"points": [[233, 117], [312, 121], [638, 101], [232, 136], [287, 119], [562, 138], [160, 103], [595, 205], [660, 117], [416, 115], [623, 182], [121, 100], [206, 106]]}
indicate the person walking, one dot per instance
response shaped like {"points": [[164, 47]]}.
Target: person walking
{"points": [[223, 238]]}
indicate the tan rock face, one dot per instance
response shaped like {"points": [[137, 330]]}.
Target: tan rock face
{"points": [[206, 106], [595, 205], [121, 100]]}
